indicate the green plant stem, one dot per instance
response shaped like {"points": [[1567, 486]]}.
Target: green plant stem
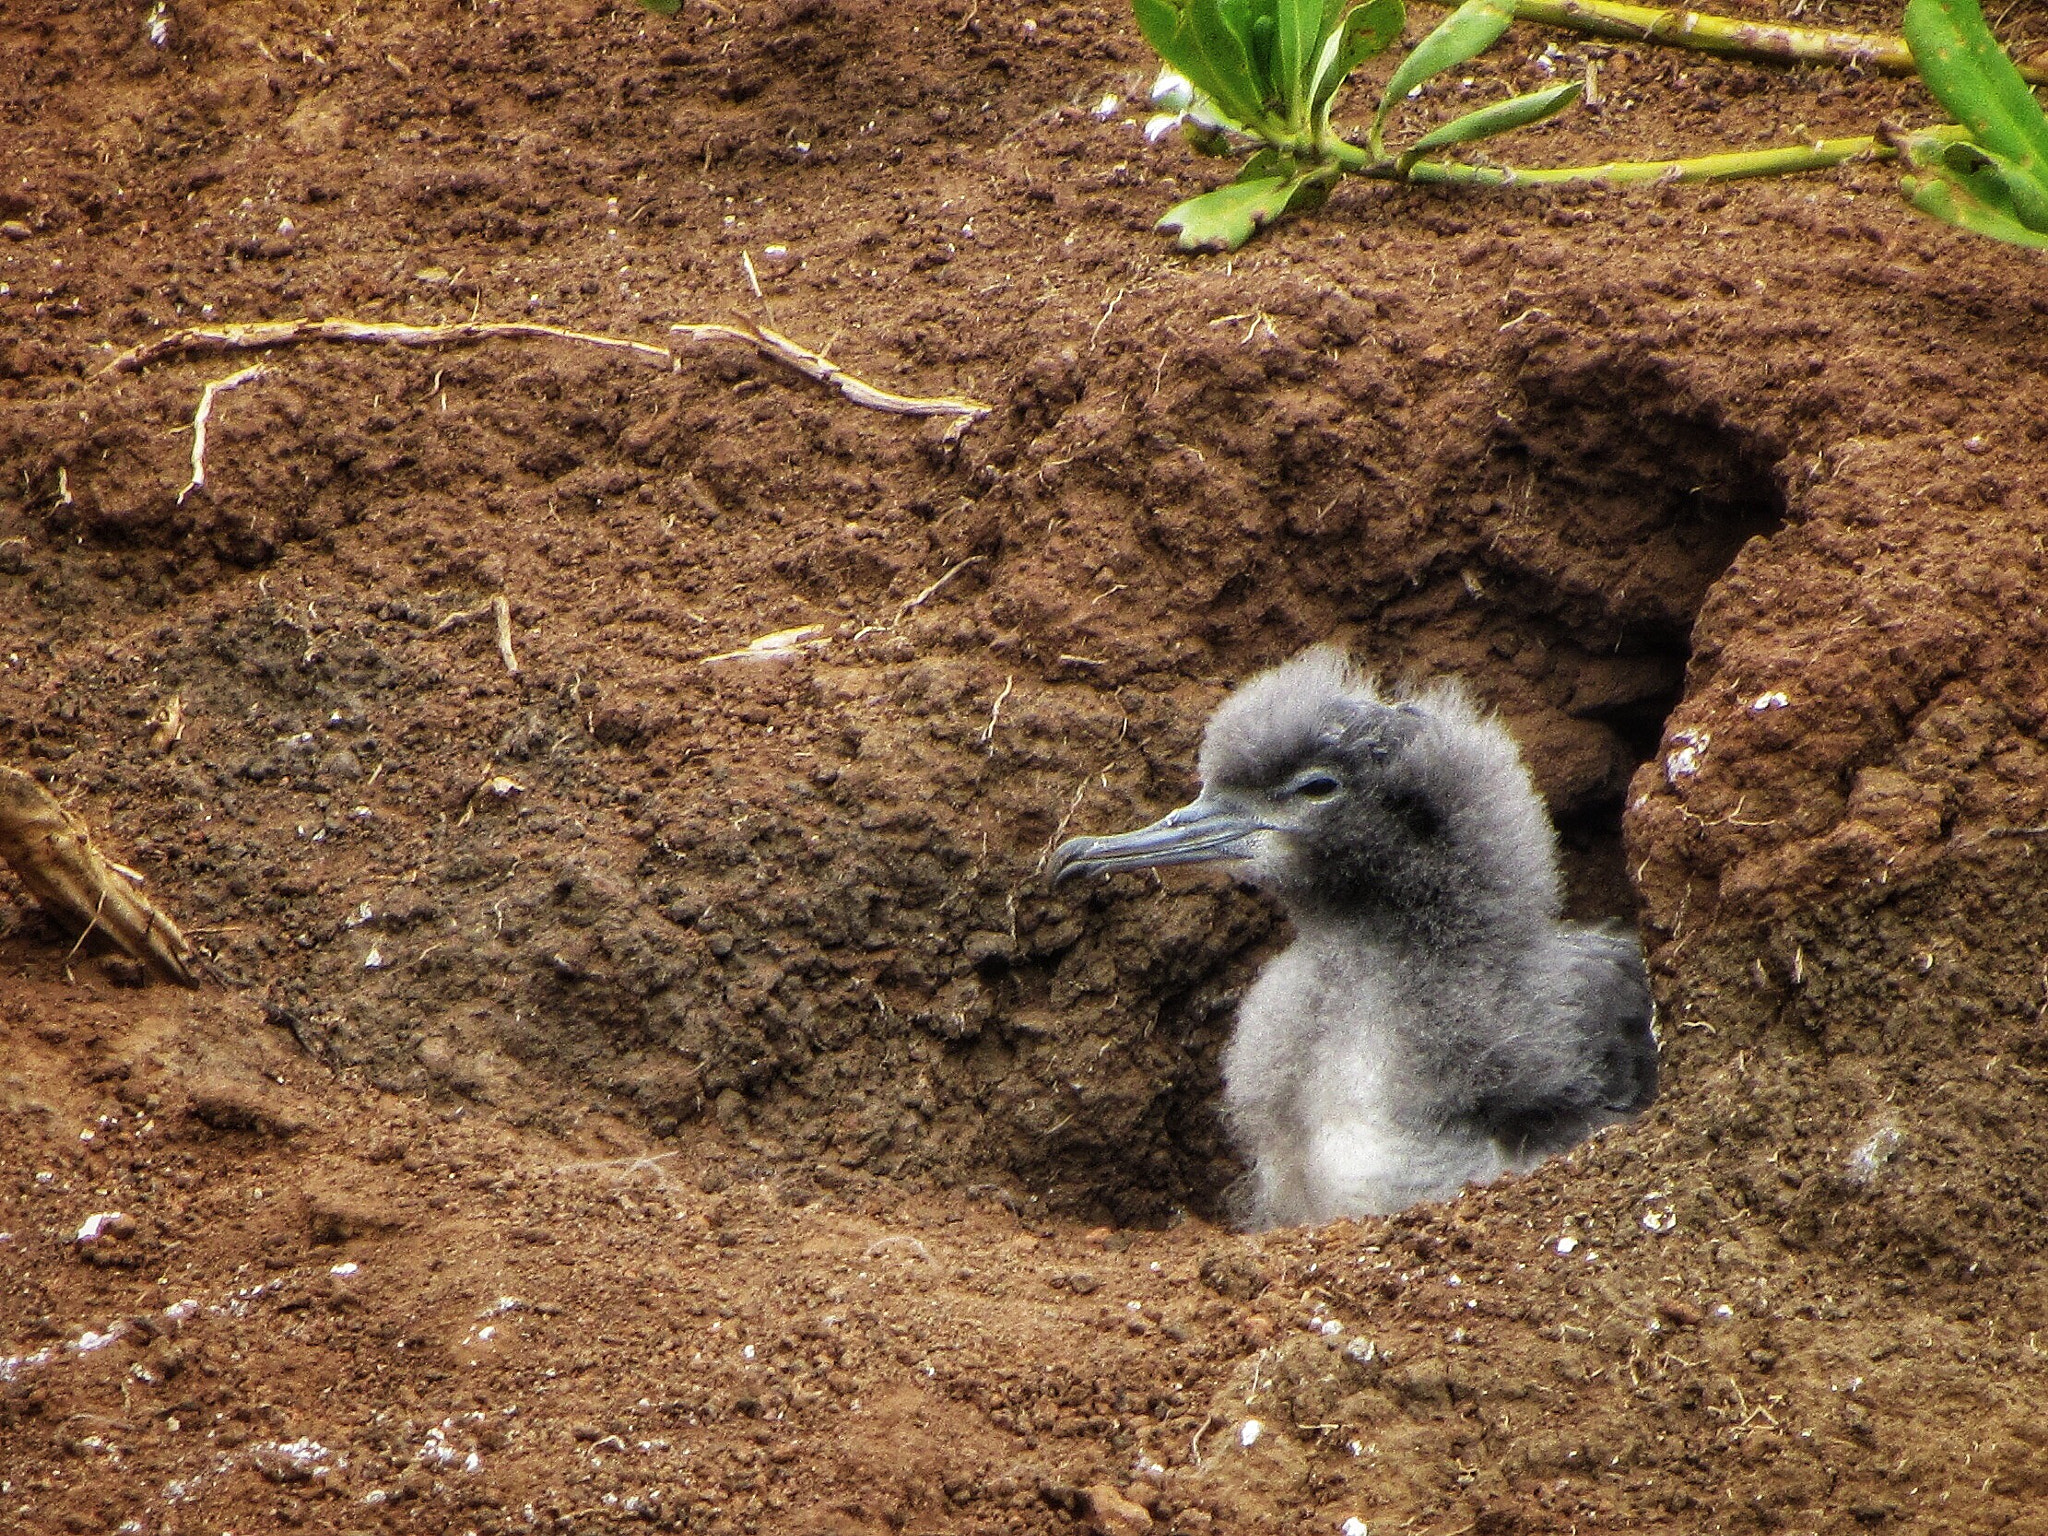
{"points": [[1786, 161], [1729, 35]]}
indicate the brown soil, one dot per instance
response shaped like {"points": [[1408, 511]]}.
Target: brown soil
{"points": [[728, 1130]]}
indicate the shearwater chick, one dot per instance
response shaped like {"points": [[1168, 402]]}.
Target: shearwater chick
{"points": [[1434, 1022]]}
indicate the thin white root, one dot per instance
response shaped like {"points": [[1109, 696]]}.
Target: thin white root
{"points": [[934, 589], [906, 1245], [502, 611], [812, 365], [52, 853], [285, 333], [203, 415], [457, 620], [784, 642], [995, 715]]}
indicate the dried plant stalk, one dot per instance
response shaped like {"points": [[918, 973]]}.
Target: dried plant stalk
{"points": [[285, 333], [815, 365], [52, 853], [1769, 42]]}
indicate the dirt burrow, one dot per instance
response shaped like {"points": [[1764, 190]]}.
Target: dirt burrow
{"points": [[831, 924]]}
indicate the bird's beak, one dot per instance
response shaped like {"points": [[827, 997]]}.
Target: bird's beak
{"points": [[1199, 833]]}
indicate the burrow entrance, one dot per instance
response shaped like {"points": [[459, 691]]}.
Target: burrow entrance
{"points": [[1601, 511]]}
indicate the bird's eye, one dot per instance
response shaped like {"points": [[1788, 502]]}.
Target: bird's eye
{"points": [[1313, 787]]}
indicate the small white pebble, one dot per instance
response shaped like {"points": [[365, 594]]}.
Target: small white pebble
{"points": [[1567, 1245], [1683, 761], [95, 1224], [345, 1269], [1353, 1526], [1764, 701], [1248, 1433]]}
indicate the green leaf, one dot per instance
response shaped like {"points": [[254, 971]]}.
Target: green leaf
{"points": [[1988, 178], [2000, 182], [1239, 15], [1466, 33], [1215, 49], [1971, 76], [1300, 24], [1957, 205], [1365, 32], [1224, 219], [1260, 46], [1501, 117], [1967, 186], [1160, 21], [1171, 30]]}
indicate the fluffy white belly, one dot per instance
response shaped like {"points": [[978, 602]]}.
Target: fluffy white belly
{"points": [[1327, 1119]]}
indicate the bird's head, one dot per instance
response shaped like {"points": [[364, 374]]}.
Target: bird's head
{"points": [[1339, 799]]}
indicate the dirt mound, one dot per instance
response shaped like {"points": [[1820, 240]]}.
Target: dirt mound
{"points": [[645, 1088]]}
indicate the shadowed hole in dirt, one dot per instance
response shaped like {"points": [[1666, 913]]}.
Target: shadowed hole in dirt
{"points": [[1664, 494], [1606, 506]]}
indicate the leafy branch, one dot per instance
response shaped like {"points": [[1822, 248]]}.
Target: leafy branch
{"points": [[1235, 83], [1995, 181], [1264, 73]]}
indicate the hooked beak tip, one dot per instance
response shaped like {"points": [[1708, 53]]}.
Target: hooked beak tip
{"points": [[1195, 834]]}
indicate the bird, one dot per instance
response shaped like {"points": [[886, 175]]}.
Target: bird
{"points": [[1435, 1022]]}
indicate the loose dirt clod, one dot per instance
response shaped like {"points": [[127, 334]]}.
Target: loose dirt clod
{"points": [[52, 853], [169, 726]]}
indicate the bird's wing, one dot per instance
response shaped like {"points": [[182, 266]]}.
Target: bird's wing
{"points": [[1586, 1058]]}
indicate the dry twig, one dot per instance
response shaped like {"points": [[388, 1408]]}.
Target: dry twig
{"points": [[52, 853]]}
